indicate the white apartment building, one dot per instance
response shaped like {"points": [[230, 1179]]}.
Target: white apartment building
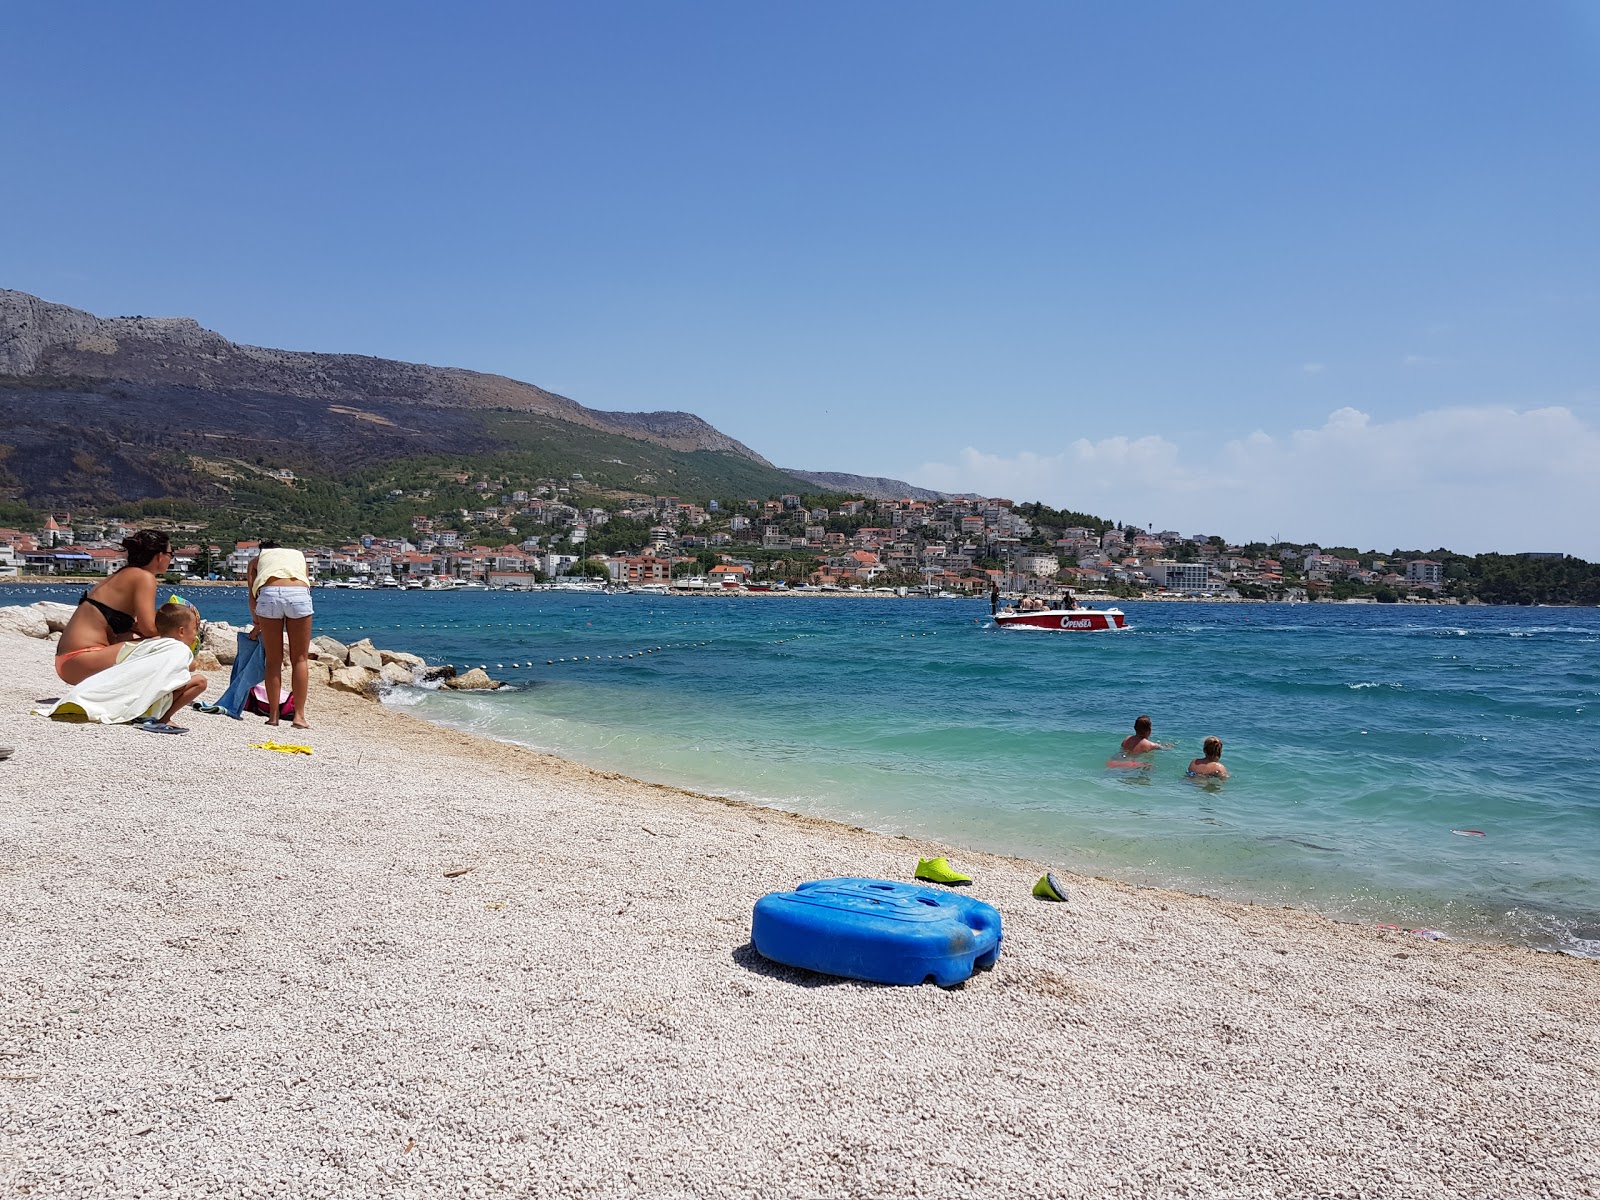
{"points": [[1424, 572], [1180, 577]]}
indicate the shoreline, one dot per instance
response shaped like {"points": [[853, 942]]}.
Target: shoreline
{"points": [[421, 959]]}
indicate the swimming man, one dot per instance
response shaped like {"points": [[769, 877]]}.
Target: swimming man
{"points": [[1140, 742]]}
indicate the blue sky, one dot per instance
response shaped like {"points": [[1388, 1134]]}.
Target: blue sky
{"points": [[1327, 271]]}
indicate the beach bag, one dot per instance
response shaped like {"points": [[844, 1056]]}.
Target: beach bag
{"points": [[256, 702]]}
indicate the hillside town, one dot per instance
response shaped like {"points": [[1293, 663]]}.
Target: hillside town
{"points": [[524, 537]]}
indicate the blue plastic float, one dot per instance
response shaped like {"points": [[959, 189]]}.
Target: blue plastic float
{"points": [[877, 930]]}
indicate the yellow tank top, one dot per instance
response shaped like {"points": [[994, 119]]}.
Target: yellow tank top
{"points": [[279, 563]]}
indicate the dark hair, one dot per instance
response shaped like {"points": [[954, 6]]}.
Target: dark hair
{"points": [[173, 616], [1213, 747], [144, 546], [266, 544], [1141, 725]]}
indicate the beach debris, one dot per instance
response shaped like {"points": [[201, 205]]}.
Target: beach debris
{"points": [[1469, 833], [1433, 935], [495, 905], [409, 1146], [457, 872], [281, 747], [6, 752]]}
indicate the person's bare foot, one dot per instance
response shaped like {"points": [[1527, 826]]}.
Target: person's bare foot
{"points": [[301, 725], [272, 724]]}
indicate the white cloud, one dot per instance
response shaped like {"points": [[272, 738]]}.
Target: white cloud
{"points": [[1472, 479]]}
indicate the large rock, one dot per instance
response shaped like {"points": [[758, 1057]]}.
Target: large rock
{"points": [[397, 675], [221, 639], [365, 654], [20, 618], [401, 657], [441, 674], [357, 680], [56, 615], [206, 661], [331, 647], [476, 679]]}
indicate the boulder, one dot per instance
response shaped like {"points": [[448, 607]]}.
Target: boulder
{"points": [[397, 675], [476, 679], [56, 615], [222, 640], [357, 680], [401, 657], [331, 647], [19, 618], [438, 674], [206, 661], [365, 654]]}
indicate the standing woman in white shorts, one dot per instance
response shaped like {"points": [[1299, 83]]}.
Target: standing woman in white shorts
{"points": [[280, 599]]}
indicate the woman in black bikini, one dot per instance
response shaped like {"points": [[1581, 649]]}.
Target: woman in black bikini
{"points": [[116, 611]]}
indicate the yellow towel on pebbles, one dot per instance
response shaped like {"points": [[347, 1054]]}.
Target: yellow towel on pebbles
{"points": [[280, 747]]}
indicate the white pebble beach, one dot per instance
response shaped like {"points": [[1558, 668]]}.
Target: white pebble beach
{"points": [[420, 964]]}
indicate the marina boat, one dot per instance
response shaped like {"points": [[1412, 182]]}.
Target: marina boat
{"points": [[1065, 620]]}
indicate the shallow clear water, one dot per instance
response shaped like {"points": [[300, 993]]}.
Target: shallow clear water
{"points": [[1359, 737]]}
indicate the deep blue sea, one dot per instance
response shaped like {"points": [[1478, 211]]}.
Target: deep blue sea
{"points": [[1360, 737]]}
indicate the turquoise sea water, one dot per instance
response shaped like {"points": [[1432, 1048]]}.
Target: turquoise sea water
{"points": [[1359, 737]]}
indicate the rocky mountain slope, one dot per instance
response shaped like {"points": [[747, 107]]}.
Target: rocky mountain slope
{"points": [[873, 486], [41, 340], [97, 411]]}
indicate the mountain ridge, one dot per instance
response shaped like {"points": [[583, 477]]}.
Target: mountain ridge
{"points": [[40, 339]]}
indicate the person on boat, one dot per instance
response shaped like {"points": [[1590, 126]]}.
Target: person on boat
{"points": [[280, 600], [1140, 742], [1211, 764], [1068, 601], [119, 610], [994, 598]]}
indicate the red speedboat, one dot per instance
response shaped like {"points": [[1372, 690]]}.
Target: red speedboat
{"points": [[1065, 620]]}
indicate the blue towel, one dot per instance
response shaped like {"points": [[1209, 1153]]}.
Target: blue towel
{"points": [[249, 669]]}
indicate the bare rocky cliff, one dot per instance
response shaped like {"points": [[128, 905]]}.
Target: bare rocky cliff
{"points": [[40, 340]]}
